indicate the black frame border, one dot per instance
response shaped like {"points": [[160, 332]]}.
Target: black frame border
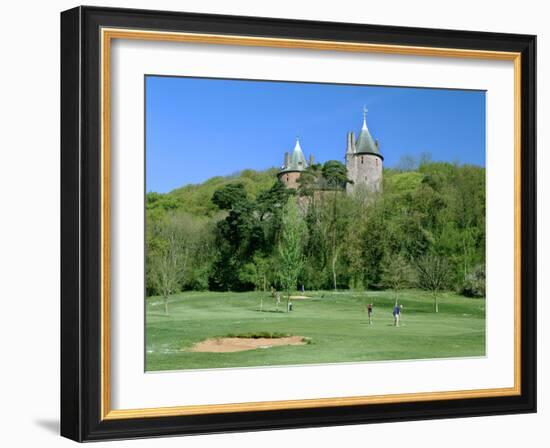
{"points": [[81, 223]]}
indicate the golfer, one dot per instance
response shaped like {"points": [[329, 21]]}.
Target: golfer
{"points": [[396, 314], [369, 311]]}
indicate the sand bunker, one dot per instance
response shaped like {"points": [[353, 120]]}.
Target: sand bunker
{"points": [[228, 345], [299, 297]]}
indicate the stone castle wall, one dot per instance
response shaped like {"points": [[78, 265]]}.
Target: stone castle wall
{"points": [[290, 179], [365, 170]]}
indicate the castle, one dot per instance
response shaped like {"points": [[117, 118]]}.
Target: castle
{"points": [[363, 163]]}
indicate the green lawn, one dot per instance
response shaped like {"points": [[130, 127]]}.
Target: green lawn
{"points": [[335, 322]]}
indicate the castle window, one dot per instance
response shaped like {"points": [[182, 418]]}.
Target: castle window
{"points": [[287, 177], [361, 159]]}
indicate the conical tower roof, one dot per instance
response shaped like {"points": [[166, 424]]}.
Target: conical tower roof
{"points": [[365, 144], [297, 159]]}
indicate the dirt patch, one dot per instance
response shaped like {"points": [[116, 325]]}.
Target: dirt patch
{"points": [[228, 345]]}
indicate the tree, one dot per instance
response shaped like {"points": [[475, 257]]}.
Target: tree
{"points": [[335, 175], [160, 201], [377, 238], [165, 272], [237, 237], [433, 274], [291, 247], [167, 266], [270, 203], [250, 228], [335, 178], [354, 255], [396, 273], [439, 208], [178, 238], [309, 180], [474, 283], [268, 212], [257, 272], [229, 196], [407, 162]]}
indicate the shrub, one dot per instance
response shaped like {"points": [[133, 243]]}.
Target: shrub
{"points": [[474, 282]]}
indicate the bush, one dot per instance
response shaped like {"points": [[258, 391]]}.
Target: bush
{"points": [[474, 283]]}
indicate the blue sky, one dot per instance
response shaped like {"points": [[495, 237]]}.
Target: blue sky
{"points": [[199, 128]]}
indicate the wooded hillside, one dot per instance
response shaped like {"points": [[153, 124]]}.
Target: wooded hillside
{"points": [[228, 233]]}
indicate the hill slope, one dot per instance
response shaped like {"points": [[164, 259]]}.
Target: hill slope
{"points": [[196, 198]]}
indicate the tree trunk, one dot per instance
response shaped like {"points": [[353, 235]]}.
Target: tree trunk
{"points": [[262, 296], [334, 239], [465, 259], [436, 304], [165, 305], [334, 257]]}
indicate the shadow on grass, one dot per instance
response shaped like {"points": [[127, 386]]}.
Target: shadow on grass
{"points": [[268, 311]]}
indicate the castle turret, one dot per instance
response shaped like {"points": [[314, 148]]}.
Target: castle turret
{"points": [[364, 161], [350, 149], [293, 166]]}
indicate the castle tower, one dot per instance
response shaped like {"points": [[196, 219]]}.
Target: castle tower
{"points": [[364, 161], [293, 166]]}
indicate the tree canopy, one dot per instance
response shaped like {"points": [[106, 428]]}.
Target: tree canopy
{"points": [[237, 224]]}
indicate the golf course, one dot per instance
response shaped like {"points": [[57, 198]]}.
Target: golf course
{"points": [[330, 327]]}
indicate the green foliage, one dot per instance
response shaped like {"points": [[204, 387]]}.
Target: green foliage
{"points": [[257, 272], [396, 272], [174, 255], [397, 182], [309, 179], [229, 196], [335, 174], [197, 199], [248, 235], [433, 275], [474, 283], [426, 209], [291, 246], [155, 201], [329, 176], [179, 250]]}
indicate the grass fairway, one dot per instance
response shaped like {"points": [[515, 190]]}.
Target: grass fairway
{"points": [[335, 322]]}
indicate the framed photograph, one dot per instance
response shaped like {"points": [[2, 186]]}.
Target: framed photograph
{"points": [[274, 223]]}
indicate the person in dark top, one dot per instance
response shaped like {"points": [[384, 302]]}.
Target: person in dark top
{"points": [[396, 314], [369, 311]]}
